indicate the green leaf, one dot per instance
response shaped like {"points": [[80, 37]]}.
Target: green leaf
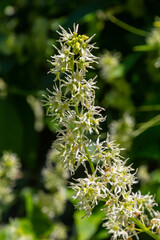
{"points": [[70, 193], [40, 222], [101, 235], [28, 195], [87, 226]]}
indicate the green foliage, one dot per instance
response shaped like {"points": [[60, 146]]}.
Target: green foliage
{"points": [[87, 228]]}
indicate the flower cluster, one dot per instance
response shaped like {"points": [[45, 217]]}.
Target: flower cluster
{"points": [[112, 71], [155, 223], [110, 179], [75, 48], [122, 130], [20, 229], [154, 37], [72, 100], [9, 171], [153, 44], [52, 202], [108, 64], [153, 41]]}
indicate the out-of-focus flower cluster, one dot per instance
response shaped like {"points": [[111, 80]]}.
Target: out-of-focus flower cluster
{"points": [[20, 229], [108, 63], [153, 41], [55, 177], [112, 71], [59, 232], [122, 130], [51, 201], [154, 37], [38, 112], [9, 172], [111, 180], [152, 44], [143, 174], [118, 97], [3, 88]]}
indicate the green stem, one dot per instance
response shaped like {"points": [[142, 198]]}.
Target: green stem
{"points": [[126, 26], [90, 160], [152, 122], [86, 150], [149, 108], [145, 229], [76, 109]]}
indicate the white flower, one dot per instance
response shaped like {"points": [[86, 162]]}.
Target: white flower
{"points": [[65, 36], [56, 103], [116, 229], [145, 202], [75, 49], [88, 191], [70, 147], [155, 223]]}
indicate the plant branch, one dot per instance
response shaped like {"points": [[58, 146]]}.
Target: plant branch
{"points": [[154, 121], [126, 26], [145, 229]]}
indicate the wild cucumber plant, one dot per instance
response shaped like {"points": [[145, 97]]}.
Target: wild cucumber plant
{"points": [[108, 178]]}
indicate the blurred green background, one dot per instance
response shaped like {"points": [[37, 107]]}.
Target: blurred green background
{"points": [[128, 37]]}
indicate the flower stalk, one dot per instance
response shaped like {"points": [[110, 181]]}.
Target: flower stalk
{"points": [[72, 105], [145, 229]]}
